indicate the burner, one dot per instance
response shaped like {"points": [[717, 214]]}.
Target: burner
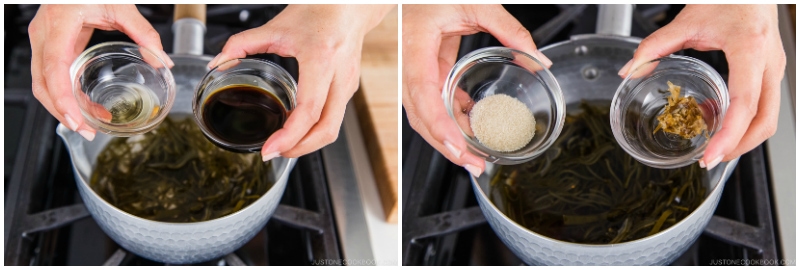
{"points": [[443, 225], [47, 224], [301, 230]]}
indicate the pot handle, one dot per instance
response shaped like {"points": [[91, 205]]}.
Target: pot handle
{"points": [[189, 28], [615, 19], [190, 11]]}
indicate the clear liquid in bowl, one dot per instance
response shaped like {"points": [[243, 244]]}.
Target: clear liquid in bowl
{"points": [[129, 104]]}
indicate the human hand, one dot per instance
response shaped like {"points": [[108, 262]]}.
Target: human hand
{"points": [[326, 40], [59, 33], [749, 37], [431, 37]]}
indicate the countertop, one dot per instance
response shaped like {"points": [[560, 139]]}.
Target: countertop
{"points": [[365, 235], [781, 148]]}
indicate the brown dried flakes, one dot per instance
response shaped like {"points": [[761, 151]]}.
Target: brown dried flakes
{"points": [[681, 116]]}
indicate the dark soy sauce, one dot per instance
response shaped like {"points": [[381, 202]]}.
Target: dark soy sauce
{"points": [[243, 115]]}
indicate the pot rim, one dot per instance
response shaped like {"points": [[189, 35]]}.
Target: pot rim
{"points": [[63, 132], [725, 174], [582, 37], [728, 169]]}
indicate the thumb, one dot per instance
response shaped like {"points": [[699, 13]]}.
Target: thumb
{"points": [[128, 20], [251, 41], [508, 30], [666, 40]]}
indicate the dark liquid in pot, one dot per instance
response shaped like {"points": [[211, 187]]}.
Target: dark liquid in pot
{"points": [[173, 174], [243, 114], [587, 189]]}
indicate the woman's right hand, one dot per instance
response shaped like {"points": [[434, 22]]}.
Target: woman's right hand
{"points": [[431, 37], [751, 41], [59, 33]]}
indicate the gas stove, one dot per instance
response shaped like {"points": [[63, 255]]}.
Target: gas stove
{"points": [[47, 224], [443, 225]]}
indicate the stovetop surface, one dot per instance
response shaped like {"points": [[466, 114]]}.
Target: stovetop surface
{"points": [[39, 180], [443, 225], [45, 221]]}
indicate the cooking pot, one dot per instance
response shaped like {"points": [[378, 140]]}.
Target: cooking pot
{"points": [[175, 243], [586, 68]]}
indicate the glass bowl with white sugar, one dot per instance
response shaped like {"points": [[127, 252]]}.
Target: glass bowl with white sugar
{"points": [[506, 103]]}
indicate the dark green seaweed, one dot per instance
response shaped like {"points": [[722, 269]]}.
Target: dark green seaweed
{"points": [[587, 189], [174, 174]]}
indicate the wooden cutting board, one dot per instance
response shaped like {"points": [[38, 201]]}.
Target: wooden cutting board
{"points": [[377, 107]]}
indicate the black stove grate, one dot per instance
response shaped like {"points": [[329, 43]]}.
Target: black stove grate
{"points": [[300, 231], [443, 225], [45, 221]]}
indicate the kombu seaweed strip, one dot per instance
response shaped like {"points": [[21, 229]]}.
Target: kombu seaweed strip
{"points": [[174, 174], [587, 189]]}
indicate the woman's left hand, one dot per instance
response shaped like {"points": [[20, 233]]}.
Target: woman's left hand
{"points": [[326, 40]]}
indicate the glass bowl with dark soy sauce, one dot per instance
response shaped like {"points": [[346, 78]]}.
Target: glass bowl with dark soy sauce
{"points": [[240, 103]]}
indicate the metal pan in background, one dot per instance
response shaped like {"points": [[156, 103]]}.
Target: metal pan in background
{"points": [[586, 68], [175, 243]]}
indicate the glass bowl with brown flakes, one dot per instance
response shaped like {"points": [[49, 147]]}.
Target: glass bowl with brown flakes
{"points": [[665, 112]]}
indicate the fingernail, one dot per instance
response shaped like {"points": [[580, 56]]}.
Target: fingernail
{"points": [[546, 61], [213, 62], [474, 170], [702, 163], [71, 124], [622, 72], [269, 156], [714, 163], [88, 135], [453, 150], [166, 58]]}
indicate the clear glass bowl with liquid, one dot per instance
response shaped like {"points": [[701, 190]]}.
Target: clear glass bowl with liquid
{"points": [[122, 89], [642, 96], [500, 70], [241, 102]]}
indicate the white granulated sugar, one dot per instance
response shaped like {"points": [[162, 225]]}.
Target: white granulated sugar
{"points": [[502, 123]]}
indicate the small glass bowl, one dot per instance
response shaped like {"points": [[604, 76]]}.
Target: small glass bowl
{"points": [[262, 74], [643, 95], [499, 70], [122, 89]]}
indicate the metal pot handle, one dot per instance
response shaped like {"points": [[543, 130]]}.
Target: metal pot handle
{"points": [[614, 20], [189, 28]]}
